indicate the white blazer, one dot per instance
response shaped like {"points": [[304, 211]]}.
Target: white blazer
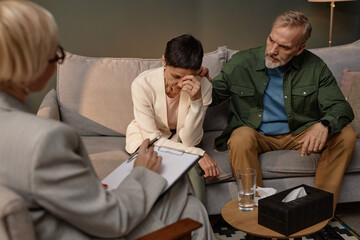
{"points": [[150, 111]]}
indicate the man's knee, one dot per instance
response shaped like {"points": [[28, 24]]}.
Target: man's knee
{"points": [[242, 137], [348, 136]]}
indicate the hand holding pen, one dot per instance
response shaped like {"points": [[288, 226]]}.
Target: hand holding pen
{"points": [[134, 155], [147, 157]]}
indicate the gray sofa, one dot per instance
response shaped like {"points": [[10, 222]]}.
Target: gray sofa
{"points": [[93, 95]]}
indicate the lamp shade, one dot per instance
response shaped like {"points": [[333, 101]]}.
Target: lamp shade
{"points": [[329, 0]]}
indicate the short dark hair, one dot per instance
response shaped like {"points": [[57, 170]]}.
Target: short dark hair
{"points": [[184, 51]]}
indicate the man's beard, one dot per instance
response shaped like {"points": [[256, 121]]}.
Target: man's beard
{"points": [[270, 64]]}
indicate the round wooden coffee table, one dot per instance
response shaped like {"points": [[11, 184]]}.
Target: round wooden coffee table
{"points": [[248, 223]]}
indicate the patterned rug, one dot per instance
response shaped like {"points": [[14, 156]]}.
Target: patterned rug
{"points": [[335, 229]]}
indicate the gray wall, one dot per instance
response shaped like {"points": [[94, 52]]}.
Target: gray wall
{"points": [[141, 28]]}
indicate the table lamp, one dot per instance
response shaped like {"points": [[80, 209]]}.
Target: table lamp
{"points": [[332, 5]]}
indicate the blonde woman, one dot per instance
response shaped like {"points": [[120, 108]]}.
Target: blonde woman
{"points": [[46, 163]]}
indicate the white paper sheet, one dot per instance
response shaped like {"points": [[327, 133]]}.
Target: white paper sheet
{"points": [[295, 194], [174, 164]]}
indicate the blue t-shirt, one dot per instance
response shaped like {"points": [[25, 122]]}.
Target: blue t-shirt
{"points": [[274, 119]]}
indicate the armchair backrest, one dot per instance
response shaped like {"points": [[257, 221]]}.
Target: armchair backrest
{"points": [[15, 220]]}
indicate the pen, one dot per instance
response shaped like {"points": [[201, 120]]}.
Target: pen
{"points": [[134, 155]]}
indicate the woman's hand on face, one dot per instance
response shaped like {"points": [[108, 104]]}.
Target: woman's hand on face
{"points": [[204, 72], [191, 85], [147, 157], [209, 166]]}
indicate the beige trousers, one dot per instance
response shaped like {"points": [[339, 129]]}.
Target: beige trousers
{"points": [[245, 144]]}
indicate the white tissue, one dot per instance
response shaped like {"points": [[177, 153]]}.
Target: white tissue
{"points": [[294, 194], [263, 192]]}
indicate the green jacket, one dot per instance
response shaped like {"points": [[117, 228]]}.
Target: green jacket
{"points": [[311, 93]]}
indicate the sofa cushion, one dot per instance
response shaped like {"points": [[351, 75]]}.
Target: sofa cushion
{"points": [[106, 153], [288, 163], [221, 158], [274, 164], [339, 57], [350, 86], [94, 93], [215, 60], [347, 80], [354, 165], [231, 53]]}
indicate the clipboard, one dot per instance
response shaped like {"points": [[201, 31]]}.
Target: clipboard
{"points": [[175, 163]]}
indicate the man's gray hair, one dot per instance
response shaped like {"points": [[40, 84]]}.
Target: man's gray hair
{"points": [[294, 19]]}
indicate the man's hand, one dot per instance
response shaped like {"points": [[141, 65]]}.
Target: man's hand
{"points": [[204, 72], [191, 86], [209, 166], [314, 140], [147, 157]]}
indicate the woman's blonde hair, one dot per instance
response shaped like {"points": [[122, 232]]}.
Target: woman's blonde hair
{"points": [[29, 37]]}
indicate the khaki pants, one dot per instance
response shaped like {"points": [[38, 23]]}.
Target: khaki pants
{"points": [[245, 144]]}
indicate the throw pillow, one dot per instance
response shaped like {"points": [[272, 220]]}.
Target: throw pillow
{"points": [[351, 89], [347, 80]]}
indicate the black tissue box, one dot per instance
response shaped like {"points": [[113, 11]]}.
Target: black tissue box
{"points": [[288, 218]]}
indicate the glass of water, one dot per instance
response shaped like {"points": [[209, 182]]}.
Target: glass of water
{"points": [[246, 183]]}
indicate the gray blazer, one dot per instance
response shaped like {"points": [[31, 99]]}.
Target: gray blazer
{"points": [[46, 163]]}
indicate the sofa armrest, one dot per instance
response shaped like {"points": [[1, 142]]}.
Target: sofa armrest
{"points": [[49, 107], [180, 230], [15, 220]]}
